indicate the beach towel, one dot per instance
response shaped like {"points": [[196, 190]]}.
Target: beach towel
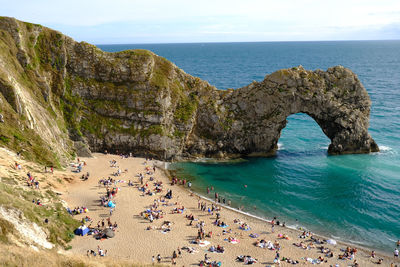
{"points": [[331, 242], [225, 226], [204, 243], [254, 235], [244, 229]]}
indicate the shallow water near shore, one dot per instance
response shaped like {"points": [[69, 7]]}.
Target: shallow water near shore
{"points": [[352, 198]]}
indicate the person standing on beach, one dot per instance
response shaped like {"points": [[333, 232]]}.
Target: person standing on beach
{"points": [[396, 253], [158, 258], [174, 256]]}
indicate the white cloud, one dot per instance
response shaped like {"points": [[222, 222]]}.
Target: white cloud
{"points": [[257, 20]]}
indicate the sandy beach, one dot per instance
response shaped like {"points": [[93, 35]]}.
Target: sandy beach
{"points": [[134, 242]]}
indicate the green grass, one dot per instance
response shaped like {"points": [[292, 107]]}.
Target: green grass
{"points": [[6, 228], [26, 141], [61, 225], [186, 107], [152, 129], [179, 134], [161, 72], [4, 139]]}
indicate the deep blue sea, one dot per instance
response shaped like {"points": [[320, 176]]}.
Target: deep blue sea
{"points": [[352, 198]]}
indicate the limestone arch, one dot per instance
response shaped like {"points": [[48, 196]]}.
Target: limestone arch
{"points": [[249, 120], [299, 132]]}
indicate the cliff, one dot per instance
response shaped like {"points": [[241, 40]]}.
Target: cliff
{"points": [[58, 97]]}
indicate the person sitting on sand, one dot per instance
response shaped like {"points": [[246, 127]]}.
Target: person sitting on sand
{"points": [[277, 245], [303, 235], [101, 252], [224, 232]]}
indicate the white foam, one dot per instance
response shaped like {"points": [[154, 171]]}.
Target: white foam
{"points": [[280, 146], [385, 148]]}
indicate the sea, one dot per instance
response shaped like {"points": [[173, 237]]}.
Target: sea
{"points": [[351, 198]]}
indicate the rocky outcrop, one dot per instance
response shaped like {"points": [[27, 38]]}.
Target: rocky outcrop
{"points": [[135, 101], [249, 120]]}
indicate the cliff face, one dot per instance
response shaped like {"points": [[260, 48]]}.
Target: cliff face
{"points": [[71, 94]]}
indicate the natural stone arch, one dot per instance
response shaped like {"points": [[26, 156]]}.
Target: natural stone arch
{"points": [[249, 120], [299, 132]]}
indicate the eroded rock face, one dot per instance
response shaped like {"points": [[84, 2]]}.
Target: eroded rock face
{"points": [[251, 118], [135, 101]]}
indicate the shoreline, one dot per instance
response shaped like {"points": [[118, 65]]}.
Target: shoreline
{"points": [[138, 239], [248, 214]]}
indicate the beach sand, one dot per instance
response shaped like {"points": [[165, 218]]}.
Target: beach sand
{"points": [[132, 241]]}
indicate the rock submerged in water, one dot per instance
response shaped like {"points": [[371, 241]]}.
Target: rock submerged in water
{"points": [[135, 101]]}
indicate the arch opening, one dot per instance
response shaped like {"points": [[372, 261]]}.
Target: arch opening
{"points": [[302, 134]]}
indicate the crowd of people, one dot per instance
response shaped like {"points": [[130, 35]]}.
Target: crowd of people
{"points": [[78, 210], [148, 185]]}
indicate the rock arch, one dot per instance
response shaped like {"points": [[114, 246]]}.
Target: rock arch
{"points": [[249, 120]]}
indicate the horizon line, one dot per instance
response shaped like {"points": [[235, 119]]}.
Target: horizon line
{"points": [[308, 41]]}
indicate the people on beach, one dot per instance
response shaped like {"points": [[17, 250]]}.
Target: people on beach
{"points": [[197, 219]]}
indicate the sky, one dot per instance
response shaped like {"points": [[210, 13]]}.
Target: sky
{"points": [[178, 21]]}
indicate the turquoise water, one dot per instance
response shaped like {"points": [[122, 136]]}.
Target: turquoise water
{"points": [[353, 197]]}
